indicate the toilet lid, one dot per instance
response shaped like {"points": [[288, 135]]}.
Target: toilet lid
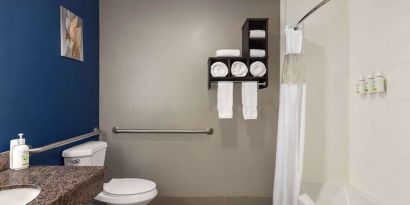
{"points": [[128, 186]]}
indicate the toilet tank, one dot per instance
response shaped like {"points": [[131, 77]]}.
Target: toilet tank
{"points": [[91, 153]]}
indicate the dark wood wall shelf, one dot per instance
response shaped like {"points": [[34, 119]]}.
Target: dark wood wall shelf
{"points": [[247, 44]]}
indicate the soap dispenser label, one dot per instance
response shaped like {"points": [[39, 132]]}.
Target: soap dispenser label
{"points": [[26, 158]]}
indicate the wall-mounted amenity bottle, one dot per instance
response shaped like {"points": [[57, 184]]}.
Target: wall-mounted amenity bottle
{"points": [[19, 153], [370, 83], [379, 82], [360, 86]]}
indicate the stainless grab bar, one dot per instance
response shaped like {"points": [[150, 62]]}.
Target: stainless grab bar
{"points": [[65, 142], [208, 131]]}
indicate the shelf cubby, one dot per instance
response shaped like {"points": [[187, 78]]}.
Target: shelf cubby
{"points": [[247, 44]]}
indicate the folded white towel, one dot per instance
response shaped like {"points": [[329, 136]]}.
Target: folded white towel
{"points": [[250, 100], [239, 69], [257, 34], [304, 199], [225, 99], [228, 53], [257, 53], [219, 69], [258, 69], [294, 40]]}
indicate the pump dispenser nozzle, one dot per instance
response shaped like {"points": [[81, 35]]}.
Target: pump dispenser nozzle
{"points": [[21, 139]]}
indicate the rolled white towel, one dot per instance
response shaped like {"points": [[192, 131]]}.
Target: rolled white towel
{"points": [[257, 53], [239, 69], [219, 69], [258, 69], [257, 34], [228, 53]]}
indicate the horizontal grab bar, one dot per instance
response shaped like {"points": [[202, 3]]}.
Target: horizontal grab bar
{"points": [[208, 131], [65, 142]]}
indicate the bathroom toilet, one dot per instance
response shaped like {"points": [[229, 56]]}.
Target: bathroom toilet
{"points": [[131, 191]]}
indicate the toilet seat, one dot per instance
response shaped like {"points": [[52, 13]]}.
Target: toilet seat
{"points": [[128, 186], [127, 191]]}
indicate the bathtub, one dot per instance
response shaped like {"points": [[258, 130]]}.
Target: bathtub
{"points": [[337, 194]]}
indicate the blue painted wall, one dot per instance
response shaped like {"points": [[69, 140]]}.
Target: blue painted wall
{"points": [[46, 96]]}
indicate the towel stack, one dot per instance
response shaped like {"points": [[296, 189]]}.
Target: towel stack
{"points": [[225, 88], [257, 34], [249, 89]]}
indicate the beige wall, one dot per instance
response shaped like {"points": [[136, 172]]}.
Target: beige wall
{"points": [[154, 75], [326, 60], [379, 125]]}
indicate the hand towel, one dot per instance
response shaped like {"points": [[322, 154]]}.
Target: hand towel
{"points": [[294, 40], [257, 53], [257, 34], [258, 69], [239, 69], [228, 53], [225, 99], [219, 69], [250, 100]]}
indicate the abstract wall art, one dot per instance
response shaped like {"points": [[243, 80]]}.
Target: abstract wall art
{"points": [[71, 31]]}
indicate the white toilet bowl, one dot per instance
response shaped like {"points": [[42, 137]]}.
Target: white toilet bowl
{"points": [[136, 199], [131, 191]]}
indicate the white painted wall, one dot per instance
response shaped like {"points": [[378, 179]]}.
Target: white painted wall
{"points": [[326, 59], [379, 125]]}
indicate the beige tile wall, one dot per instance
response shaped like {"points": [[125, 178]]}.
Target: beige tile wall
{"points": [[379, 125], [353, 37]]}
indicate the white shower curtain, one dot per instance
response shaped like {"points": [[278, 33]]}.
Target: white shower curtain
{"points": [[291, 126]]}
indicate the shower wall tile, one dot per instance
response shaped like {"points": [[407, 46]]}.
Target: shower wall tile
{"points": [[379, 133], [378, 36]]}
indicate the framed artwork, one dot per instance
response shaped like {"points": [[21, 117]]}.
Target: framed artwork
{"points": [[71, 31]]}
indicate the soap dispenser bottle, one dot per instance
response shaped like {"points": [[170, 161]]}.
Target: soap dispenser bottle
{"points": [[19, 153]]}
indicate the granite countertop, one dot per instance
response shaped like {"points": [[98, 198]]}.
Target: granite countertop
{"points": [[59, 184]]}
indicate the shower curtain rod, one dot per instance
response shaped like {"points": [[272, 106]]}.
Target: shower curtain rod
{"points": [[312, 11]]}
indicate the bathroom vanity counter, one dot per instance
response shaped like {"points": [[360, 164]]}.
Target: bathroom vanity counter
{"points": [[60, 185]]}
